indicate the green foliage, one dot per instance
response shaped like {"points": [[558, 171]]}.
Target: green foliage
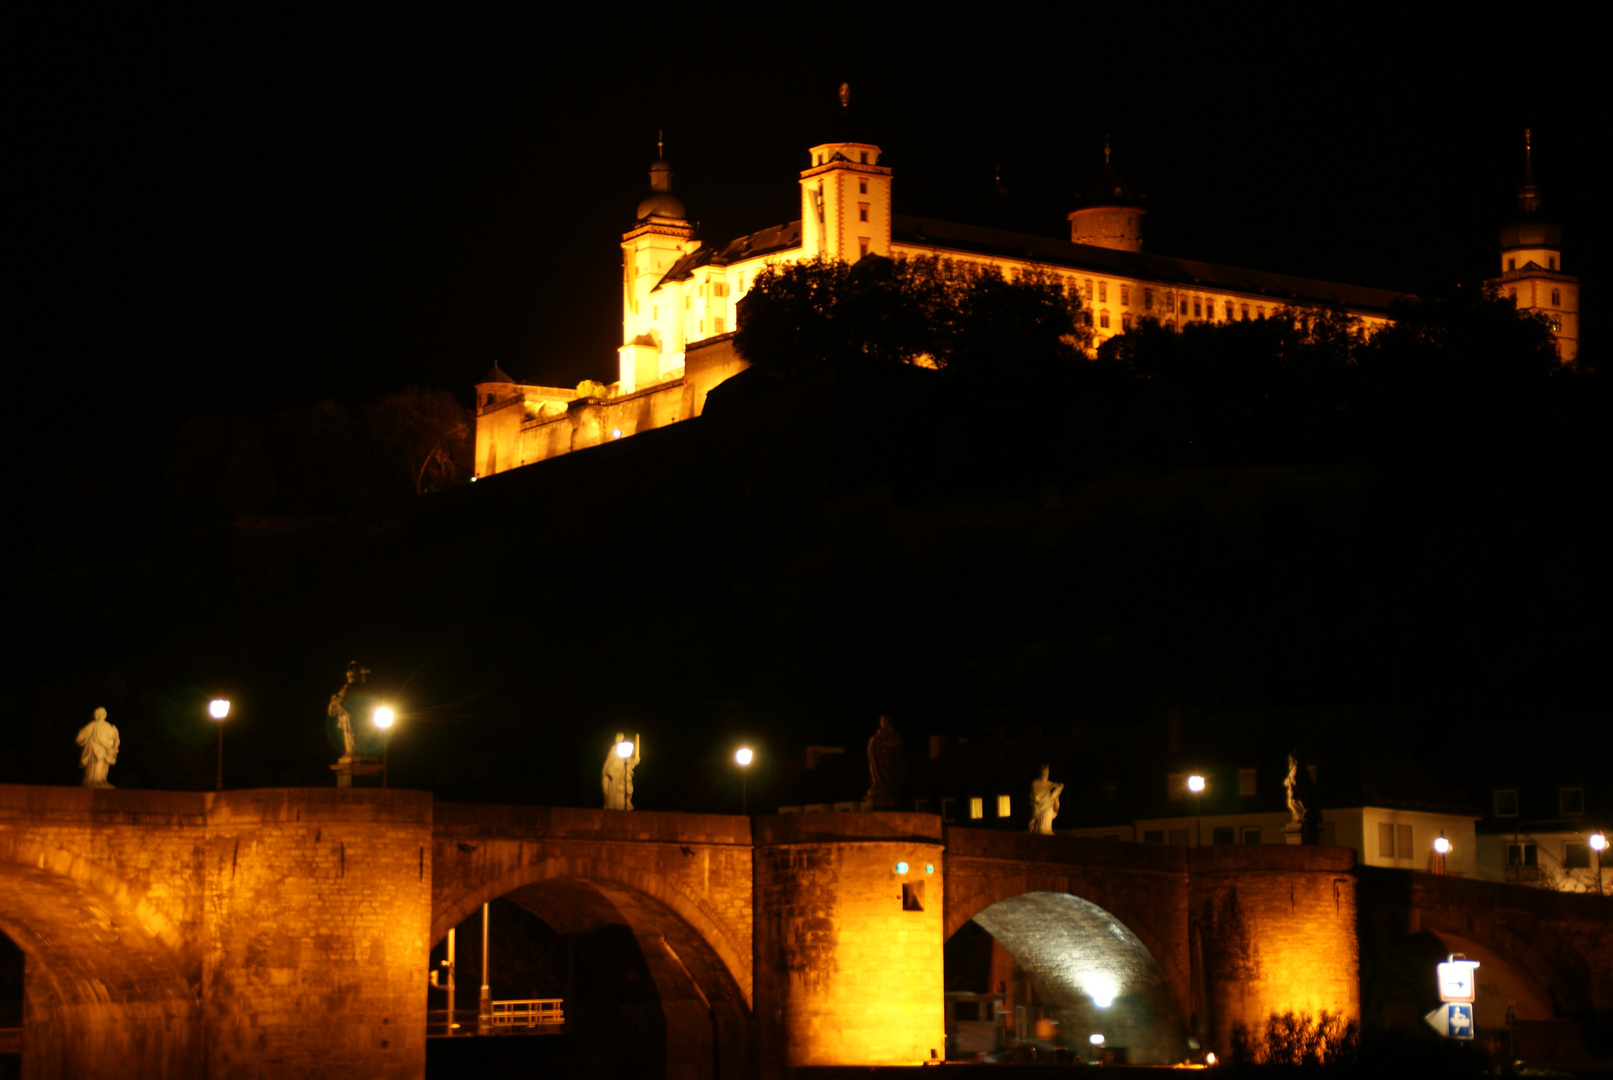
{"points": [[1298, 1039], [928, 311]]}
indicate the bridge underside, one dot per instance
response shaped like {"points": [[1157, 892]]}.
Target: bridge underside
{"points": [[102, 996]]}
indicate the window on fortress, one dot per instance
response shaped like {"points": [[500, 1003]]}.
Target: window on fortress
{"points": [[912, 896], [862, 247], [1148, 299], [947, 810], [1087, 291], [1556, 325], [864, 157], [1125, 321], [862, 211], [1512, 264], [1551, 263], [1245, 313], [1197, 305], [1086, 317], [719, 288], [1229, 311], [1506, 803], [1184, 305], [1556, 298], [1103, 320], [1576, 855], [717, 325], [1125, 296], [862, 185], [1103, 292]]}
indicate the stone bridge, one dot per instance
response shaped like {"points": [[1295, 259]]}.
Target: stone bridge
{"points": [[287, 932]]}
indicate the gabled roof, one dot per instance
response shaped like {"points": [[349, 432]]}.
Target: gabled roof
{"points": [[750, 246], [496, 375]]}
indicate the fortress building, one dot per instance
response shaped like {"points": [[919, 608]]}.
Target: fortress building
{"points": [[679, 294]]}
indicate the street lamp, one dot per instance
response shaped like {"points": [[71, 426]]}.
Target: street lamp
{"points": [[1598, 844], [1442, 848], [383, 718], [744, 756], [218, 709], [1195, 784]]}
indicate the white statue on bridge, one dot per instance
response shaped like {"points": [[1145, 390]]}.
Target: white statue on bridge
{"points": [[99, 738], [1044, 804], [617, 776]]}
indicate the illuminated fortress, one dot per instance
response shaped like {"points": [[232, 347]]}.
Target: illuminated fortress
{"points": [[680, 295]]}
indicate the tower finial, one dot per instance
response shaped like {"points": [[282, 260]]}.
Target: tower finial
{"points": [[1106, 149], [845, 97], [659, 141]]}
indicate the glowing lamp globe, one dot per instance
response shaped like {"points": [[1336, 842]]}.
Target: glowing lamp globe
{"points": [[218, 709], [1195, 783], [1443, 846], [1597, 841], [743, 755], [624, 749], [1095, 1039], [383, 717]]}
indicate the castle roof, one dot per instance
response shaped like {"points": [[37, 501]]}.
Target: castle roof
{"points": [[496, 375], [947, 237]]}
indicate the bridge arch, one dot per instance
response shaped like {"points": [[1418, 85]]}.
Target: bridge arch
{"points": [[103, 994], [652, 993], [600, 868]]}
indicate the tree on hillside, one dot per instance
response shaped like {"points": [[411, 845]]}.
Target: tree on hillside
{"points": [[426, 432], [925, 311]]}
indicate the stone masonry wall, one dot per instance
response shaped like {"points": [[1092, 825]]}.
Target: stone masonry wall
{"points": [[316, 943], [1275, 927], [844, 974]]}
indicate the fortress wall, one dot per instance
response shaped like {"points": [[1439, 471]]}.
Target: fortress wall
{"points": [[845, 975], [316, 944], [1275, 928]]}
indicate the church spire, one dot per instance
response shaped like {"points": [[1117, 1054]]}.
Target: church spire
{"points": [[1528, 191]]}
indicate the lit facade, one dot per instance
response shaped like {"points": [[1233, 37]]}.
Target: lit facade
{"points": [[680, 295]]}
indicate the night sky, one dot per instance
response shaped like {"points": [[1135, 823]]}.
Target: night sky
{"points": [[254, 212]]}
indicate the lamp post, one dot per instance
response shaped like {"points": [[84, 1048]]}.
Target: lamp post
{"points": [[219, 709], [1442, 848], [1195, 784], [744, 756], [1597, 843], [383, 718]]}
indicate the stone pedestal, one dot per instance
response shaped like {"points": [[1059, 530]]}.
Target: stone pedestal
{"points": [[347, 768], [1302, 832]]}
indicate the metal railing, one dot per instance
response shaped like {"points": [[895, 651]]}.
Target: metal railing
{"points": [[530, 1013]]}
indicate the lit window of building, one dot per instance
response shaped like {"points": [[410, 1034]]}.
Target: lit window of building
{"points": [[1125, 296], [1103, 292], [977, 808], [1005, 806]]}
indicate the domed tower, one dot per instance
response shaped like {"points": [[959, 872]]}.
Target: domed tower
{"points": [[661, 235], [1111, 214], [1532, 264]]}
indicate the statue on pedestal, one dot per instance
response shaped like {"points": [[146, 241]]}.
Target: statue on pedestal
{"points": [[344, 702], [100, 741], [617, 777], [1306, 824], [1044, 804], [886, 766]]}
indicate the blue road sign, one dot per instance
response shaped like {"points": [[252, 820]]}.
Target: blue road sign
{"points": [[1454, 1020]]}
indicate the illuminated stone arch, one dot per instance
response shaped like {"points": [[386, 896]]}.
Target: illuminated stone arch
{"points": [[1138, 910], [103, 994], [603, 869]]}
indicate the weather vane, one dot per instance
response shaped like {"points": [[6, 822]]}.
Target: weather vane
{"points": [[845, 96]]}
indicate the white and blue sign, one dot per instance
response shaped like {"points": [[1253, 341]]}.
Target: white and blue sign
{"points": [[1454, 1020]]}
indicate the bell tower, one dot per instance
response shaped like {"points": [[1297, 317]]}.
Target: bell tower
{"points": [[661, 235], [845, 198], [1532, 264]]}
